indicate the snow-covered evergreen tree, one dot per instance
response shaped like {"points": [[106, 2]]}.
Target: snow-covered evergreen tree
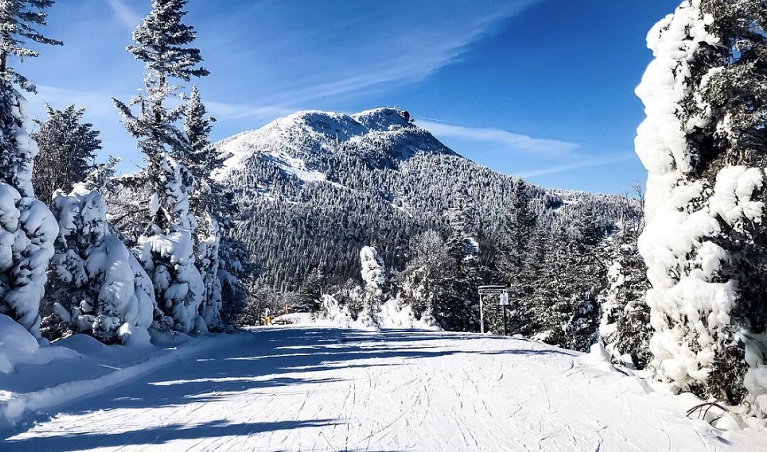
{"points": [[703, 144], [424, 280], [27, 227], [459, 309], [201, 158], [166, 247], [311, 291], [162, 42], [102, 291], [625, 324], [233, 271], [373, 274], [67, 151], [207, 242], [167, 254], [514, 260]]}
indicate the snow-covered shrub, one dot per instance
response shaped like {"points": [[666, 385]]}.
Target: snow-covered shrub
{"points": [[333, 312], [167, 253], [396, 313], [704, 243], [103, 286]]}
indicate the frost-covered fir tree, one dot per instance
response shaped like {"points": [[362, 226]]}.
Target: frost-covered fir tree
{"points": [[514, 257], [424, 280], [310, 292], [28, 228], [100, 287], [167, 254], [625, 324], [67, 151], [705, 244], [588, 272], [201, 158], [459, 309], [166, 246], [162, 42], [373, 273]]}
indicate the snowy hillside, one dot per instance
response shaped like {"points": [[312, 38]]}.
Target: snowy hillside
{"points": [[374, 178], [329, 389], [302, 138]]}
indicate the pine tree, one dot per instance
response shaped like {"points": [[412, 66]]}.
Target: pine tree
{"points": [[166, 246], [424, 280], [625, 324], [513, 257], [67, 149], [703, 143], [19, 17], [28, 227], [162, 42], [311, 291], [459, 309], [200, 157]]}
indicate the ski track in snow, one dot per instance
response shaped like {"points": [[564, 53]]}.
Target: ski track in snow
{"points": [[320, 389]]}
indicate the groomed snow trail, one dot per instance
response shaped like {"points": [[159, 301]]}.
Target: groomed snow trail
{"points": [[330, 389]]}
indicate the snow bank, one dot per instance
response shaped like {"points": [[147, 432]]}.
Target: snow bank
{"points": [[18, 346], [80, 358]]}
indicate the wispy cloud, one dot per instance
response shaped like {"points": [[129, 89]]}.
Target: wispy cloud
{"points": [[96, 103], [515, 141], [127, 16], [585, 162], [223, 110], [356, 49]]}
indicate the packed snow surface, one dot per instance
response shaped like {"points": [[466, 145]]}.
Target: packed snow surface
{"points": [[308, 388]]}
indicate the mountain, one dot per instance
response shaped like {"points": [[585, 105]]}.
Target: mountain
{"points": [[312, 188]]}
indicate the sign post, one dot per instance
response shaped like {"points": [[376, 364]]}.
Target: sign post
{"points": [[502, 292], [504, 301]]}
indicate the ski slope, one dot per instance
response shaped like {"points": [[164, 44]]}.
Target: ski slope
{"points": [[309, 388]]}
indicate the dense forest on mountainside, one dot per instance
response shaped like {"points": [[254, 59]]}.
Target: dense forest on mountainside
{"points": [[312, 189]]}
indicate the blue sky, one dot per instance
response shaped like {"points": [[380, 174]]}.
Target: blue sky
{"points": [[537, 88]]}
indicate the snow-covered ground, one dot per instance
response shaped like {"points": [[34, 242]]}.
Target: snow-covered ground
{"points": [[312, 388]]}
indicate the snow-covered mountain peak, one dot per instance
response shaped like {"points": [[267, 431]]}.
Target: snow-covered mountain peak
{"points": [[383, 119], [295, 142]]}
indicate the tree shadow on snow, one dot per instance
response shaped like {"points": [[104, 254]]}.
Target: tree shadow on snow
{"points": [[155, 435], [277, 357]]}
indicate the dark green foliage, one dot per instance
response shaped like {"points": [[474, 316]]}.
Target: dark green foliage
{"points": [[308, 299], [162, 43], [67, 149]]}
